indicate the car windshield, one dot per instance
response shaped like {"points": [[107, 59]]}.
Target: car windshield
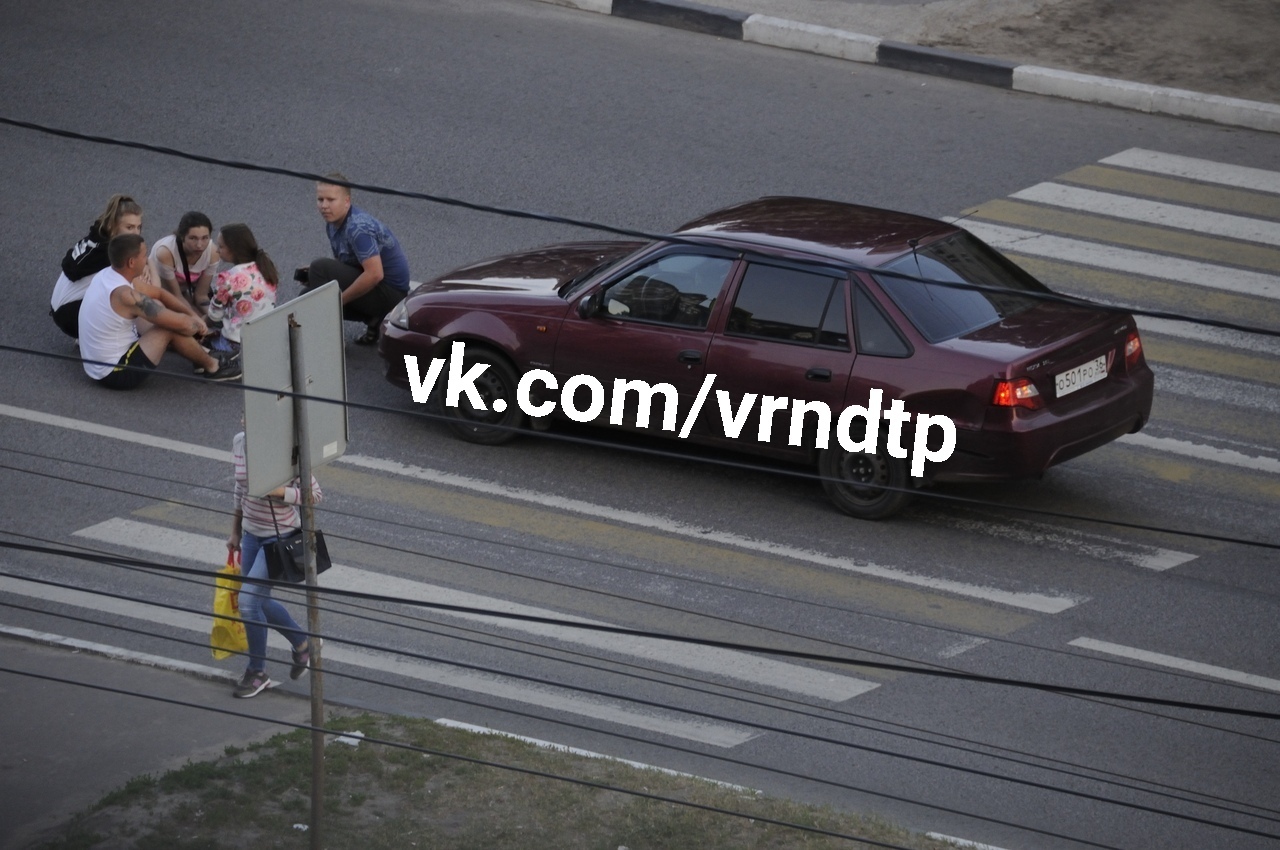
{"points": [[945, 312]]}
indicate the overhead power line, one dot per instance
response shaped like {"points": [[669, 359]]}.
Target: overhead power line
{"points": [[1046, 687], [599, 786], [685, 458], [511, 212]]}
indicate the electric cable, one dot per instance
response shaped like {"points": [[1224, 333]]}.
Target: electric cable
{"points": [[331, 511], [694, 641], [599, 786], [583, 224], [719, 717], [511, 212], [842, 717], [688, 458], [608, 594], [764, 727]]}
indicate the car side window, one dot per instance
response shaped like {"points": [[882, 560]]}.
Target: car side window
{"points": [[678, 289], [875, 333], [790, 305]]}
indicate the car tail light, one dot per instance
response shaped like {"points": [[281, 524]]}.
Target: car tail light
{"points": [[1132, 350], [1019, 393]]}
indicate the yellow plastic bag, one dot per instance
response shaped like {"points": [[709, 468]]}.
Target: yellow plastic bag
{"points": [[227, 637]]}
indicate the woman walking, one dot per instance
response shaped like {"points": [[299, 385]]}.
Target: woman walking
{"points": [[256, 524]]}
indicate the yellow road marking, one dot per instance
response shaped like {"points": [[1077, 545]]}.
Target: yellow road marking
{"points": [[1221, 198], [738, 567], [1200, 475], [1146, 237], [1203, 357], [1153, 294]]}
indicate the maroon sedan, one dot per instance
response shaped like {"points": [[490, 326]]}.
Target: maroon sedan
{"points": [[794, 328]]}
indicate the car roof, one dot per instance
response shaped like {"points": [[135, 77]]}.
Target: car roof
{"points": [[865, 236]]}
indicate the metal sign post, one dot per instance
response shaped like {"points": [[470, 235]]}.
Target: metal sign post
{"points": [[287, 433], [307, 515]]}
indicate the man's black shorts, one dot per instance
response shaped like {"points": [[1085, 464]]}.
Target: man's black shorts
{"points": [[126, 379], [67, 318]]}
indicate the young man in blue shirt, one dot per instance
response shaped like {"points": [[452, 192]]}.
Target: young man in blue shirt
{"points": [[367, 262]]}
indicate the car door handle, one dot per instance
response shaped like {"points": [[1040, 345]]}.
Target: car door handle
{"points": [[818, 375], [690, 355]]}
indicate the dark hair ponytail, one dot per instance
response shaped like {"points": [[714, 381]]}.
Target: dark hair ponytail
{"points": [[244, 248]]}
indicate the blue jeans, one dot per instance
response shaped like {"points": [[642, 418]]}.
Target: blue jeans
{"points": [[257, 607]]}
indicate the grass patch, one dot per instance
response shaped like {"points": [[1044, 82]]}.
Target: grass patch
{"points": [[379, 798]]}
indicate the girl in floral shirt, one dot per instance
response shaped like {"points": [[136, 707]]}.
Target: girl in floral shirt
{"points": [[246, 289]]}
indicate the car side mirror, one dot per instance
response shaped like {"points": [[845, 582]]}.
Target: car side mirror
{"points": [[590, 305]]}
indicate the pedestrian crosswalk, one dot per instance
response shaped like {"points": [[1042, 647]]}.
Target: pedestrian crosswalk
{"points": [[1144, 229]]}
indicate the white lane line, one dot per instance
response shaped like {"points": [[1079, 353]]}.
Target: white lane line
{"points": [[1153, 212], [114, 433], [563, 748], [960, 842], [1045, 536], [501, 687], [962, 646], [1204, 170], [1198, 451], [742, 666], [1162, 660], [1217, 389], [1127, 260], [1043, 603]]}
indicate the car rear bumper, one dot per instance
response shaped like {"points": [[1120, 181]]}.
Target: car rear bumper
{"points": [[1021, 443]]}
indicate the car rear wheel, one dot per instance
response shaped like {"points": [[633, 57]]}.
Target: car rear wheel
{"points": [[856, 482], [496, 386]]}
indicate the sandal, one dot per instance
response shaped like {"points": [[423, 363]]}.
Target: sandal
{"points": [[370, 336]]}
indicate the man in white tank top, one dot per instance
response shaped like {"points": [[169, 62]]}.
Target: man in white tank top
{"points": [[115, 300]]}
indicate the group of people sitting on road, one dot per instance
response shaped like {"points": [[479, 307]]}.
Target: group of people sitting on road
{"points": [[126, 306]]}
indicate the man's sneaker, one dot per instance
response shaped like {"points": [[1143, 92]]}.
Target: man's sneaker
{"points": [[301, 660], [251, 684], [229, 368]]}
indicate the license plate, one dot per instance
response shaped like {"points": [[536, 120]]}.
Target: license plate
{"points": [[1081, 376]]}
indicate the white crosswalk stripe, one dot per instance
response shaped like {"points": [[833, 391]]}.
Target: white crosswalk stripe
{"points": [[740, 666], [1215, 368], [502, 687], [1128, 260], [1153, 212], [1191, 168]]}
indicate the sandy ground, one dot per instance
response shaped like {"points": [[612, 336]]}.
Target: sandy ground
{"points": [[1227, 47]]}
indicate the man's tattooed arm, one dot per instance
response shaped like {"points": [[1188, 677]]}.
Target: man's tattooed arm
{"points": [[149, 307]]}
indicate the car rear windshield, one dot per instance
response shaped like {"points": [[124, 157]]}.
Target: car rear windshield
{"points": [[945, 312]]}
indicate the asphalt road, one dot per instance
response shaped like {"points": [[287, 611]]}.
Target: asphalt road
{"points": [[532, 106]]}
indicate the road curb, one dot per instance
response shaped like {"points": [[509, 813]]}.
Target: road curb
{"points": [[857, 47]]}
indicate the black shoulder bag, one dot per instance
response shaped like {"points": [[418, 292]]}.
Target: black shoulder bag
{"points": [[284, 556]]}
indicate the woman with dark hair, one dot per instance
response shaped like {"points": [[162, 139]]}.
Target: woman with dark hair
{"points": [[256, 524], [88, 257], [244, 290], [186, 259]]}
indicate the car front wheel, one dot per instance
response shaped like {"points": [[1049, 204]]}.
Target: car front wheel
{"points": [[857, 482], [496, 387]]}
